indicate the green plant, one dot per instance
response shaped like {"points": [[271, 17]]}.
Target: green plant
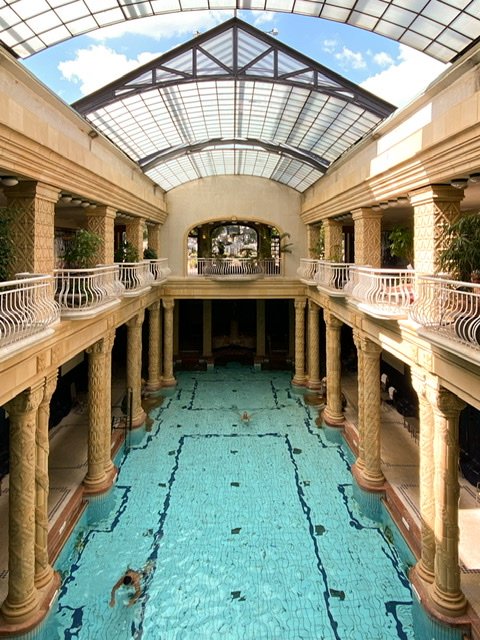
{"points": [[149, 254], [126, 252], [318, 249], [81, 251], [286, 247], [401, 243], [6, 247], [461, 255]]}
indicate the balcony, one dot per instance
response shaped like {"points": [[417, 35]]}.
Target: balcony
{"points": [[84, 293], [449, 314], [243, 269], [136, 277], [333, 277], [382, 293], [307, 271], [160, 270], [27, 309]]}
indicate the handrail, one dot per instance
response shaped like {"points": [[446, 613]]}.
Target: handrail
{"points": [[230, 268], [135, 276], [27, 307], [308, 269], [83, 290], [382, 292], [160, 270], [450, 308], [333, 276]]}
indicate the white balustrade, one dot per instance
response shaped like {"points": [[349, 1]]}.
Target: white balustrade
{"points": [[382, 293], [160, 270], [237, 268], [27, 307], [449, 309], [332, 277], [82, 292], [307, 270], [135, 276]]}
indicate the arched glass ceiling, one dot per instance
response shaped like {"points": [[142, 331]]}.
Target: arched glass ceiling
{"points": [[439, 28], [233, 100]]}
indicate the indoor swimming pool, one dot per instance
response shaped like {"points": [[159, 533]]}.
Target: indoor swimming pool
{"points": [[245, 528]]}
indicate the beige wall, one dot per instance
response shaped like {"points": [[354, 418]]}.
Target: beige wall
{"points": [[220, 198]]}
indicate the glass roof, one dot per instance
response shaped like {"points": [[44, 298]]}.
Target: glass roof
{"points": [[233, 100], [439, 28]]}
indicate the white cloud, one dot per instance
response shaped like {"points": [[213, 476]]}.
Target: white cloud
{"points": [[349, 58], [329, 45], [408, 76], [98, 65], [383, 59], [262, 17], [164, 26]]}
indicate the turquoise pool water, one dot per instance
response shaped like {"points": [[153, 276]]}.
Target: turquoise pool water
{"points": [[249, 529]]}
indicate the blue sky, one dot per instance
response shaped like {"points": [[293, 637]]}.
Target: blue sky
{"points": [[83, 64]]}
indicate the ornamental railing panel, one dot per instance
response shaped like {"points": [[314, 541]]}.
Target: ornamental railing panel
{"points": [[27, 307], [81, 292], [136, 277], [307, 270], [236, 268], [382, 293], [333, 277], [160, 270]]}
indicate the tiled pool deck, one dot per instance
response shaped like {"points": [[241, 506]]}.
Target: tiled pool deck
{"points": [[247, 483]]}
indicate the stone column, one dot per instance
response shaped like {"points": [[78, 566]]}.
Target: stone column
{"points": [[446, 592], [134, 234], [168, 377], [207, 329], [43, 569], [22, 600], [153, 231], [154, 349], [372, 476], [134, 367], [299, 378], [95, 480], [314, 381], [107, 463], [101, 221], [260, 351], [360, 461], [333, 240], [434, 208], [425, 565], [333, 414], [33, 208], [368, 237]]}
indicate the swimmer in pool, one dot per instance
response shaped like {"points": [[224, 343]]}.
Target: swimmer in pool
{"points": [[129, 579], [246, 417]]}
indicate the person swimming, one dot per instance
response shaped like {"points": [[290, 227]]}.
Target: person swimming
{"points": [[246, 417], [131, 578]]}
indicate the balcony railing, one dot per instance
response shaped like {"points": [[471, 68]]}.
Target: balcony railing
{"points": [[236, 268], [136, 277], [160, 270], [382, 293], [448, 309], [333, 277], [307, 270], [27, 308], [85, 292]]}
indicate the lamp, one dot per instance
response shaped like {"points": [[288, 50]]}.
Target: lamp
{"points": [[384, 205], [403, 200], [376, 207], [392, 203], [459, 183], [76, 200], [475, 177], [66, 197], [84, 204], [9, 181]]}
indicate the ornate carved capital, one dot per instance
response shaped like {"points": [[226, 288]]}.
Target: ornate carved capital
{"points": [[26, 401], [331, 321], [137, 320], [154, 307], [168, 303], [445, 402], [300, 304]]}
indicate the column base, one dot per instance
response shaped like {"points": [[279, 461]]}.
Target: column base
{"points": [[139, 420], [373, 484], [333, 419], [14, 621], [153, 386], [452, 605], [299, 381], [94, 487], [314, 384], [43, 578], [423, 573], [169, 382]]}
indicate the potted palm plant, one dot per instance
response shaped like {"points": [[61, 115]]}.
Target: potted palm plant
{"points": [[80, 256], [6, 247], [461, 255], [400, 241]]}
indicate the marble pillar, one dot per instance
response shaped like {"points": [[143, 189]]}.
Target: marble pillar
{"points": [[107, 449], [333, 414], [43, 569], [446, 592], [95, 480], [314, 381], [101, 221], [368, 237], [168, 377], [134, 234], [299, 378], [134, 367], [22, 600], [154, 381], [360, 461]]}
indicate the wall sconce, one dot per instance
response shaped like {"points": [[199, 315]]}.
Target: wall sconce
{"points": [[384, 205], [84, 204], [376, 207], [76, 201], [392, 203], [403, 200], [459, 183], [66, 197], [475, 177], [9, 181]]}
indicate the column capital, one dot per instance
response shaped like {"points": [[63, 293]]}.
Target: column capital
{"points": [[32, 189], [137, 319], [102, 211], [444, 401], [433, 192], [367, 346], [155, 306], [366, 213], [97, 348], [331, 320], [50, 386], [300, 303], [168, 303], [26, 401]]}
